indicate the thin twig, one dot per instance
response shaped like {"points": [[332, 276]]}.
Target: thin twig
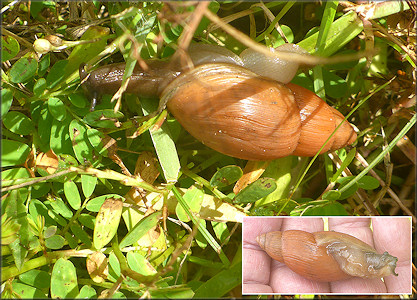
{"points": [[389, 190], [36, 180]]}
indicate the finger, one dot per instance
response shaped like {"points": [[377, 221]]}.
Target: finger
{"points": [[255, 262], [394, 234]]}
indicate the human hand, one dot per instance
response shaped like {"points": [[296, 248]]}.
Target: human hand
{"points": [[263, 275]]}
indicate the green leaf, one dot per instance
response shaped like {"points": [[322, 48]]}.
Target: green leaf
{"points": [[368, 183], [221, 230], [386, 8], [88, 184], [221, 283], [72, 194], [37, 208], [56, 74], [194, 197], [94, 204], [256, 190], [105, 118], [60, 207], [84, 52], [55, 242], [9, 230], [78, 100], [348, 192], [23, 70], [13, 153], [82, 148], [27, 292], [81, 234], [97, 140], [44, 127], [349, 157], [226, 176], [279, 169], [342, 31], [64, 280], [49, 231], [87, 220], [39, 87], [71, 240], [199, 238], [6, 101], [335, 86], [14, 208], [107, 222], [139, 263], [164, 145], [331, 195], [328, 209], [57, 108], [60, 140], [87, 292], [142, 227], [173, 292], [44, 64], [18, 123], [36, 278], [15, 173], [9, 47]]}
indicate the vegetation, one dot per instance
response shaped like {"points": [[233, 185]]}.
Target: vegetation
{"points": [[111, 203]]}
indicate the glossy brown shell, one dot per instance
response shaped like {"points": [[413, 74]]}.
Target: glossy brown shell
{"points": [[241, 114], [300, 252]]}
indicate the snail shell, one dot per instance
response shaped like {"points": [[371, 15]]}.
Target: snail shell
{"points": [[244, 115], [326, 255]]}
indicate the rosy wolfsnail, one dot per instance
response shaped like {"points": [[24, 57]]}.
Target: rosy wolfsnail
{"points": [[326, 255], [242, 106]]}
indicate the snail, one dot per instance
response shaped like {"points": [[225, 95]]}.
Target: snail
{"points": [[249, 114], [326, 255]]}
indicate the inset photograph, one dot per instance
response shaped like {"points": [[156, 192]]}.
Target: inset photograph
{"points": [[326, 255]]}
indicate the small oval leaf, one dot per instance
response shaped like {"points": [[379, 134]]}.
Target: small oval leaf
{"points": [[9, 48], [57, 108], [194, 197], [368, 183], [13, 153], [64, 280], [107, 222], [142, 227], [23, 70], [18, 123], [88, 184], [55, 242], [72, 194], [82, 148], [106, 118], [56, 74], [226, 176], [331, 195], [256, 190], [6, 101]]}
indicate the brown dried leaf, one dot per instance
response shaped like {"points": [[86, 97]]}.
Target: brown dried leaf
{"points": [[97, 267], [47, 161]]}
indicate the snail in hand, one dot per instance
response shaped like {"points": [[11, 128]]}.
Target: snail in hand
{"points": [[326, 255], [242, 106]]}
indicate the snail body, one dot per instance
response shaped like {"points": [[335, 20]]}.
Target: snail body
{"points": [[233, 110], [326, 255]]}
